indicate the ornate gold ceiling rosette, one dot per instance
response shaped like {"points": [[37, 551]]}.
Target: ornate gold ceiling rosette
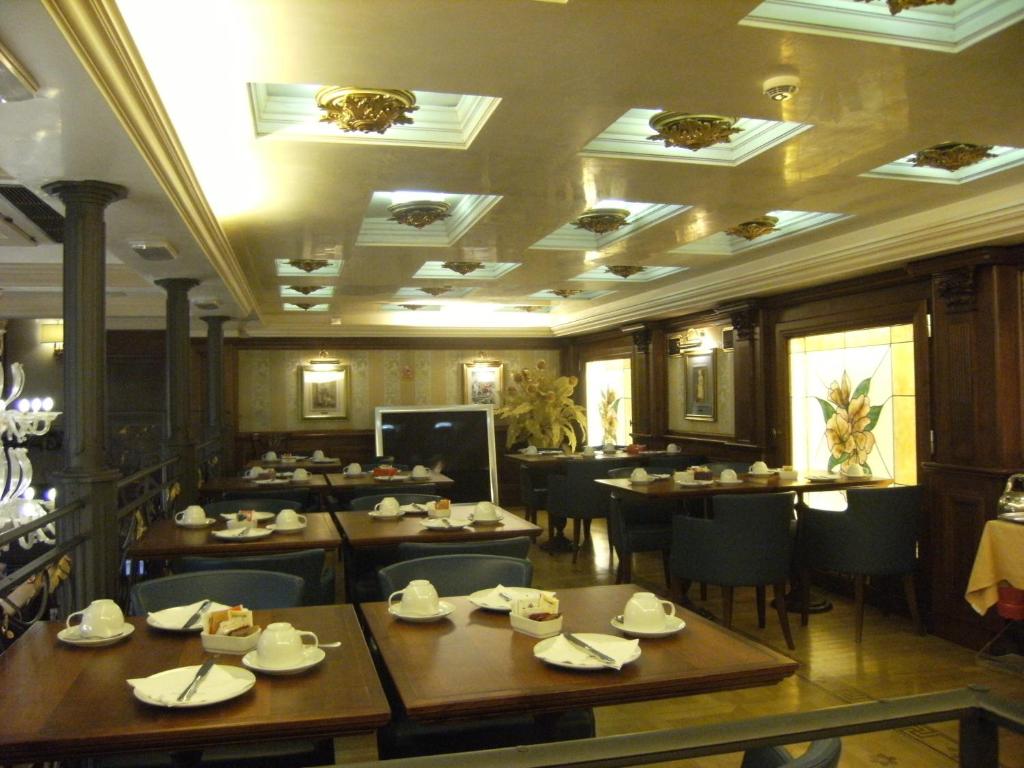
{"points": [[436, 290], [625, 271], [367, 110], [565, 293], [419, 213], [305, 306], [952, 156], [412, 307], [305, 290], [463, 267], [528, 308], [601, 221], [308, 265], [749, 230], [896, 6], [693, 132]]}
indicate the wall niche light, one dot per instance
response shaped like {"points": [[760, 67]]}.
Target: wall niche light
{"points": [[53, 334]]}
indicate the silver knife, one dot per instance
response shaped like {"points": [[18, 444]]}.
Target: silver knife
{"points": [[197, 615], [193, 686], [587, 648]]}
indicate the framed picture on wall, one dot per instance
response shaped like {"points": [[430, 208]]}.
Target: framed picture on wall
{"points": [[700, 386], [483, 382], [324, 391]]}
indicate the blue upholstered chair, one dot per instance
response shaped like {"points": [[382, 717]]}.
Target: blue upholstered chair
{"points": [[663, 462], [259, 590], [643, 525], [457, 574], [307, 564], [575, 495], [820, 754], [533, 490], [746, 542], [875, 536], [518, 547], [368, 502]]}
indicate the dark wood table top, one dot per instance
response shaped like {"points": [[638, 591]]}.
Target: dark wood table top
{"points": [[472, 663], [320, 467], [556, 459], [216, 485], [340, 481], [164, 538], [361, 530], [75, 702], [667, 489]]}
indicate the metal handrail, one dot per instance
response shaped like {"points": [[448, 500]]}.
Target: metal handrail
{"points": [[38, 522], [10, 582]]}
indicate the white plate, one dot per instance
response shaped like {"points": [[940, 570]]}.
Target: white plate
{"points": [[324, 460], [588, 663], [355, 474], [763, 474], [209, 521], [255, 516], [443, 609], [271, 481], [171, 619], [696, 482], [232, 534], [391, 478], [737, 481], [496, 521], [672, 625], [824, 477], [72, 636], [482, 598], [312, 656], [414, 509], [649, 479], [446, 523], [285, 475], [289, 529], [376, 514], [201, 698]]}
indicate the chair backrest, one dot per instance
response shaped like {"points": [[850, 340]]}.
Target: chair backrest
{"points": [[297, 499], [740, 467], [268, 504], [884, 528], [457, 574], [518, 547], [581, 496], [258, 590], [820, 754], [368, 502], [675, 460], [308, 564]]}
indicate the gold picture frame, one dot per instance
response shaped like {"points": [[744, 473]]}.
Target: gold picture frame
{"points": [[483, 382], [325, 391], [701, 387]]}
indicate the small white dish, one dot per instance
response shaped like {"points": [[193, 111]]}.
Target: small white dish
{"points": [[254, 516], [696, 482], [443, 609], [173, 619], [286, 529], [73, 636], [206, 524], [673, 624], [585, 662], [230, 643], [536, 628], [311, 656], [446, 523], [242, 534], [376, 514], [490, 601], [737, 481], [235, 681]]}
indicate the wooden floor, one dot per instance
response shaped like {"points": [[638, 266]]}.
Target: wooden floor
{"points": [[892, 661]]}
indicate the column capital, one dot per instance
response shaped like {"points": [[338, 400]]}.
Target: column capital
{"points": [[215, 320], [96, 192], [177, 284]]}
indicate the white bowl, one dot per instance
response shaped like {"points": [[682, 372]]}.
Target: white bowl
{"points": [[229, 643]]}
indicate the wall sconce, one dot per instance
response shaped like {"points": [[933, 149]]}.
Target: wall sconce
{"points": [[53, 333]]}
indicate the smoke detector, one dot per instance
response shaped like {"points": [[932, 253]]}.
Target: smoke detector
{"points": [[781, 87], [154, 250]]}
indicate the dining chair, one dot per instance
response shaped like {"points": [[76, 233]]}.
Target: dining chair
{"points": [[457, 574], [304, 500], [258, 590], [368, 502], [739, 467], [268, 504], [309, 564], [575, 495], [674, 461], [533, 490], [638, 526], [823, 753], [746, 542], [517, 546], [875, 536]]}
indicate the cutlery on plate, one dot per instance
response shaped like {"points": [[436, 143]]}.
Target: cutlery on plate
{"points": [[193, 686], [420, 507], [590, 650], [197, 615]]}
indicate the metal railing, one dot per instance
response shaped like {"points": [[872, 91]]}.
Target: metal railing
{"points": [[13, 580]]}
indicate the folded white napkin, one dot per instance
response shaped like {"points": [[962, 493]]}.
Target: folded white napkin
{"points": [[564, 652], [174, 618], [165, 687]]}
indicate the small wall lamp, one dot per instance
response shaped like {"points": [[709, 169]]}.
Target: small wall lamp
{"points": [[53, 333]]}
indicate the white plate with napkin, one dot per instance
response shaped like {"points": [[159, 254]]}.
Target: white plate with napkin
{"points": [[446, 523], [560, 652], [173, 619], [500, 598], [163, 688]]}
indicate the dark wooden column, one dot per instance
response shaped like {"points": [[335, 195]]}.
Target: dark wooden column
{"points": [[215, 374], [86, 475], [642, 375], [748, 375], [179, 440]]}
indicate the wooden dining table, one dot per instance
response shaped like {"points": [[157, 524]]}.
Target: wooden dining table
{"points": [[358, 484], [166, 539], [320, 467], [215, 487], [668, 489], [65, 702], [473, 664]]}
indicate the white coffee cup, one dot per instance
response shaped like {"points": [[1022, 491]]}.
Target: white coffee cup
{"points": [[388, 506], [854, 470], [420, 471], [289, 518], [102, 618], [270, 456], [419, 598], [672, 448], [647, 613], [354, 468], [485, 510], [281, 645], [728, 475], [530, 450], [191, 515], [759, 468], [254, 472], [588, 450], [609, 448], [639, 475], [300, 474], [318, 454]]}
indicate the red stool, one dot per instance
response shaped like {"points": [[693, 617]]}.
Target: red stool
{"points": [[1011, 603]]}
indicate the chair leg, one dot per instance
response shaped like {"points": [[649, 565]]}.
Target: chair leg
{"points": [[624, 573], [760, 605], [858, 602], [611, 554], [586, 531], [577, 524], [727, 607], [666, 560], [779, 593], [805, 595], [911, 592], [703, 591]]}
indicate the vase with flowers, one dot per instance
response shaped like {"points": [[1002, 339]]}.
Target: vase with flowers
{"points": [[539, 409]]}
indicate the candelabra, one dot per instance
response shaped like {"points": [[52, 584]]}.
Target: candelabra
{"points": [[28, 418]]}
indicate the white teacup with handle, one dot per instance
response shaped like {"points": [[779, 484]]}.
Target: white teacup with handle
{"points": [[420, 472], [254, 472], [759, 468], [281, 645], [672, 448], [191, 515], [728, 475], [101, 618], [419, 598], [318, 454], [354, 469], [387, 507], [639, 475], [485, 511], [300, 474], [646, 612], [288, 519]]}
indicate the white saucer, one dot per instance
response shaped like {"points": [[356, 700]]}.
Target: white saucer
{"points": [[324, 460], [312, 656], [737, 481], [232, 534], [496, 521], [762, 474], [483, 598], [696, 482], [376, 514], [672, 625], [446, 523], [289, 529], [209, 521], [72, 636], [255, 516], [243, 678], [443, 609], [271, 481], [355, 474]]}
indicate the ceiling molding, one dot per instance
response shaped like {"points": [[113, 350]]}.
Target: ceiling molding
{"points": [[97, 34]]}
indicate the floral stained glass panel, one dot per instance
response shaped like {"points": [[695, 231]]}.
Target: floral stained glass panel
{"points": [[609, 402]]}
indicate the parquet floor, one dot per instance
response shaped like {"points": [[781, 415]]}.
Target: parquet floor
{"points": [[892, 661]]}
